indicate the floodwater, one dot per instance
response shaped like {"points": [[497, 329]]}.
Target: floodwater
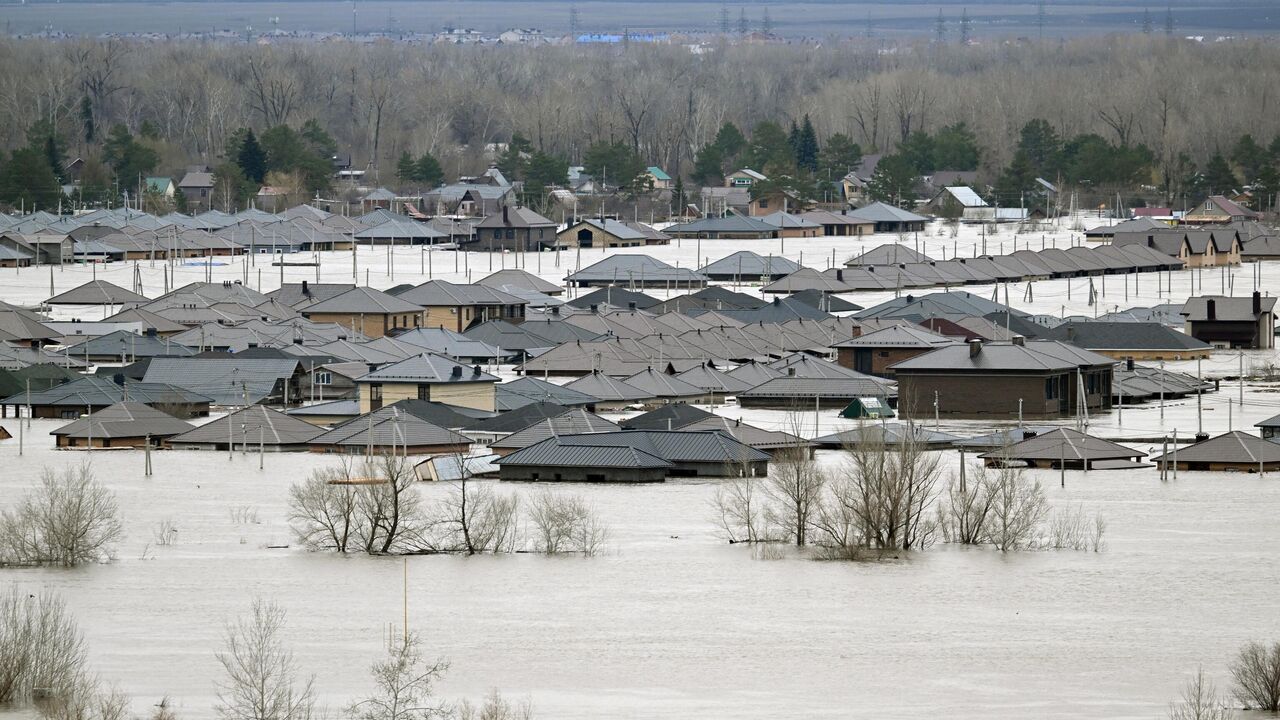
{"points": [[671, 622]]}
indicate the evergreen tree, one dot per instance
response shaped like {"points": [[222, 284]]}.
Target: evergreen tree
{"points": [[428, 171], [251, 158], [406, 168], [807, 147], [677, 196], [86, 119], [1018, 178], [1042, 146], [1217, 177], [708, 165], [839, 157], [917, 149], [894, 181], [1250, 157], [45, 136], [614, 162], [129, 158], [512, 161], [28, 180], [955, 147], [180, 201], [768, 146], [730, 141]]}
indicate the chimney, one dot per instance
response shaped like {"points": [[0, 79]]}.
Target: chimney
{"points": [[118, 379], [631, 306], [975, 347], [555, 310], [1071, 333], [1257, 303], [306, 291], [595, 309], [839, 275], [372, 366], [506, 217], [297, 341], [791, 372], [1021, 341], [1027, 434], [457, 371], [1211, 309], [1151, 241], [475, 371]]}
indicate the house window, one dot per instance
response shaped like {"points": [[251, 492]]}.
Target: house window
{"points": [[424, 391], [1051, 388], [764, 204], [375, 391], [324, 378], [511, 234]]}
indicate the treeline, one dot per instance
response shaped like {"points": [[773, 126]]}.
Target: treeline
{"points": [[1126, 110]]}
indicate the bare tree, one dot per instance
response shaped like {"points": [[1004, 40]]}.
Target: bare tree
{"points": [[962, 513], [404, 683], [475, 519], [1200, 701], [71, 519], [739, 510], [495, 707], [794, 487], [1017, 507], [565, 523], [88, 702], [40, 648], [323, 510], [1256, 673], [389, 506], [260, 677], [887, 493]]}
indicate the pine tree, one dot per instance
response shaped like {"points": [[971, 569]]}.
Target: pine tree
{"points": [[428, 171], [807, 147], [1218, 177], [406, 168], [894, 181], [252, 159], [86, 118], [677, 196]]}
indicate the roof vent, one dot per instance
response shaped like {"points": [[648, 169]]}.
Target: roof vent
{"points": [[475, 371], [1211, 309], [1021, 341], [975, 347], [457, 371]]}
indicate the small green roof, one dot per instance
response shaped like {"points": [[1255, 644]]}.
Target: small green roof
{"points": [[159, 184], [658, 173]]}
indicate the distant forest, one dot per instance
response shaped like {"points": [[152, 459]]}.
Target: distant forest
{"points": [[1110, 114]]}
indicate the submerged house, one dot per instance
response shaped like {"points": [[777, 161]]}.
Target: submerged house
{"points": [[1065, 448], [1232, 451], [124, 424], [634, 456], [252, 427], [1232, 322]]}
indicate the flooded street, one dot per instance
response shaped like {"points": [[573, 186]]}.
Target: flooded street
{"points": [[671, 622]]}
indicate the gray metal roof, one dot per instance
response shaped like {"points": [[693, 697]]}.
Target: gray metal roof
{"points": [[386, 427], [97, 391], [802, 390], [254, 423], [122, 343], [622, 268], [1032, 356], [226, 381], [749, 264], [441, 293], [728, 224], [451, 343], [526, 390], [1226, 309], [517, 419], [573, 422], [806, 279], [303, 294], [1233, 447], [363, 300], [96, 292], [519, 278], [1097, 335], [890, 433], [612, 295], [882, 212], [603, 387], [1064, 444], [400, 228], [564, 452], [429, 368], [889, 254], [130, 419], [661, 385], [710, 380], [899, 336]]}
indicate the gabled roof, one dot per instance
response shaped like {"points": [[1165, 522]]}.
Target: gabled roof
{"points": [[616, 228], [96, 292], [882, 212], [302, 294], [711, 380], [442, 293], [965, 196], [363, 300], [428, 368], [1225, 309], [516, 217], [1098, 335], [129, 419], [253, 424], [661, 385], [784, 220]]}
